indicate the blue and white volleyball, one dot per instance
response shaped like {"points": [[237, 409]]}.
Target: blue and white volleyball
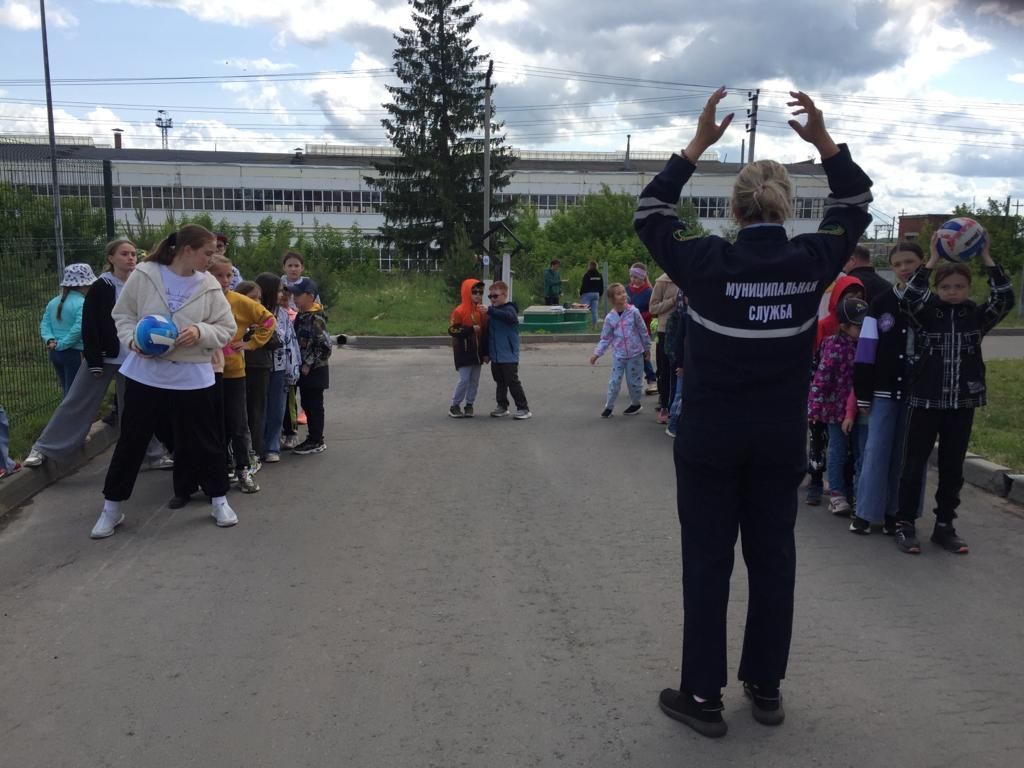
{"points": [[960, 239], [155, 334]]}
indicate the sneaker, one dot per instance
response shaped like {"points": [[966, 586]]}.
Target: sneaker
{"points": [[889, 526], [246, 483], [106, 525], [652, 388], [310, 446], [224, 515], [662, 417], [669, 431], [945, 536], [8, 472], [606, 413], [164, 462], [523, 413], [455, 412], [34, 459], [860, 525], [177, 502], [468, 411], [704, 717], [814, 495], [906, 539], [499, 412], [633, 409], [288, 442], [765, 705], [838, 505], [272, 458], [255, 465]]}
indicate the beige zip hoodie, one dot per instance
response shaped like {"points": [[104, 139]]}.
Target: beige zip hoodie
{"points": [[207, 309], [663, 300]]}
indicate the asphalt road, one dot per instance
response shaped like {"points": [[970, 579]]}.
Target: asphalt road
{"points": [[433, 592]]}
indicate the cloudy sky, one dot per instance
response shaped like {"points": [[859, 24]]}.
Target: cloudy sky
{"points": [[928, 93]]}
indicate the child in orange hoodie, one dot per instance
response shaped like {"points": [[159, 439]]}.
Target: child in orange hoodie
{"points": [[468, 329]]}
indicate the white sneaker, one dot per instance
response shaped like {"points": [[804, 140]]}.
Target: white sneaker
{"points": [[164, 462], [106, 524], [224, 515], [289, 441], [34, 459], [522, 413], [255, 465], [272, 458]]}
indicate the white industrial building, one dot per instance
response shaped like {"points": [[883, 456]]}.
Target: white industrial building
{"points": [[326, 184]]}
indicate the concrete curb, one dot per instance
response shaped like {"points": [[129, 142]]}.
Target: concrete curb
{"points": [[1016, 493], [19, 488], [429, 342], [989, 476]]}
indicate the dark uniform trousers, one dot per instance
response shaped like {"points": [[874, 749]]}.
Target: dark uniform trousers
{"points": [[198, 439], [737, 481]]}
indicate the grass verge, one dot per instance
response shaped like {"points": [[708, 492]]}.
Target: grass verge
{"points": [[997, 427]]}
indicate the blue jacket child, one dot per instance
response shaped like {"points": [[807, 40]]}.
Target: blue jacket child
{"points": [[503, 349]]}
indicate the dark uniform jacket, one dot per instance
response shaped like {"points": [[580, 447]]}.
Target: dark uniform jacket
{"points": [[753, 307], [950, 372], [874, 284]]}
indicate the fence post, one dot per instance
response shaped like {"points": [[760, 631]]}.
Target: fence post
{"points": [[108, 198]]}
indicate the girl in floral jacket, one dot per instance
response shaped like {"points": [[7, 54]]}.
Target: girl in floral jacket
{"points": [[830, 394]]}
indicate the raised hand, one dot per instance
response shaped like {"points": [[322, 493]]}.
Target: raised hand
{"points": [[814, 130], [709, 130]]}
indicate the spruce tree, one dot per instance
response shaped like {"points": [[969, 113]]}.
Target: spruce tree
{"points": [[436, 121]]}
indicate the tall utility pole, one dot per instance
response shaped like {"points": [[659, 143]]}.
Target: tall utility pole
{"points": [[488, 88], [164, 122], [752, 125], [58, 224]]}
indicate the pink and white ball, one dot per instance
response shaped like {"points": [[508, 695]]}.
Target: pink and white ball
{"points": [[960, 239]]}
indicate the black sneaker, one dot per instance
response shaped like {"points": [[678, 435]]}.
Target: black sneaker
{"points": [[633, 409], [765, 705], [310, 446], [177, 502], [860, 526], [468, 411], [906, 539], [889, 526], [945, 536], [814, 495], [606, 413], [704, 717], [455, 412]]}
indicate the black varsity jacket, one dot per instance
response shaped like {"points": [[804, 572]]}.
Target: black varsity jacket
{"points": [[99, 336], [885, 351]]}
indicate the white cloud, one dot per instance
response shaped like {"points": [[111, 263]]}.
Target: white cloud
{"points": [[22, 15], [1016, 78], [257, 65]]}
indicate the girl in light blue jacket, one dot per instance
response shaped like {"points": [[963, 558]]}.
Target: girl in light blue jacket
{"points": [[61, 326]]}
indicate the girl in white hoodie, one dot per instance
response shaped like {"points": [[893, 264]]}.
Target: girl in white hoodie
{"points": [[179, 384]]}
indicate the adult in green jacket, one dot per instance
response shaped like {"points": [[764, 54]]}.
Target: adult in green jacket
{"points": [[553, 284]]}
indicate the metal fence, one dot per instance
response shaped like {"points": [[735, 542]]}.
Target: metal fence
{"points": [[29, 275]]}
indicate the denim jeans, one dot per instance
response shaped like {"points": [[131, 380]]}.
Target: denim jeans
{"points": [[6, 462], [677, 405], [838, 447], [66, 362], [632, 368], [277, 398], [591, 299], [465, 388]]}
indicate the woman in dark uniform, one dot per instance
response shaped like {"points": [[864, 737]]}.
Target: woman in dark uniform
{"points": [[740, 454]]}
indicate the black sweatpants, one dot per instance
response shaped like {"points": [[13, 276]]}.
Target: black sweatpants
{"points": [[313, 404], [257, 380], [953, 429], [199, 457], [506, 376], [737, 481], [236, 422], [666, 374]]}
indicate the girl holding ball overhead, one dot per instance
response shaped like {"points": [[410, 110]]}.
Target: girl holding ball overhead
{"points": [[741, 451], [178, 384], [949, 383]]}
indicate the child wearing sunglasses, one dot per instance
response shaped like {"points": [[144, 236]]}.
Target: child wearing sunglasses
{"points": [[503, 349], [468, 329]]}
